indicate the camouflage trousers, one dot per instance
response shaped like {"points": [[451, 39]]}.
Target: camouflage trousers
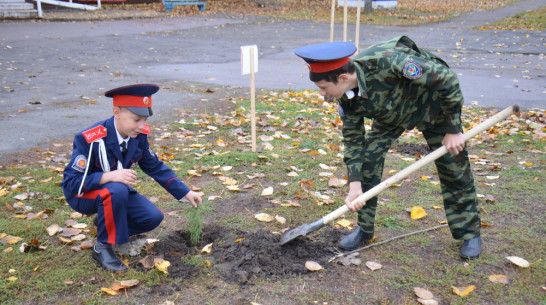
{"points": [[457, 182]]}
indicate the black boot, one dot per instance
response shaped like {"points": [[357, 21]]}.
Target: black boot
{"points": [[472, 248], [107, 259], [96, 220], [354, 239]]}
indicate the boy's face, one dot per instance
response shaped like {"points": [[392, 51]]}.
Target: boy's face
{"points": [[128, 124], [335, 90]]}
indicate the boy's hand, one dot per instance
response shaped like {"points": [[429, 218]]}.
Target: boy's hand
{"points": [[125, 176], [193, 197], [355, 190], [454, 142]]}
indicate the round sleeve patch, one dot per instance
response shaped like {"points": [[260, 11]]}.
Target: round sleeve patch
{"points": [[412, 70], [79, 163]]}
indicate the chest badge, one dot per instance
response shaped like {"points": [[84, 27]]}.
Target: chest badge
{"points": [[94, 134], [412, 70], [146, 129]]}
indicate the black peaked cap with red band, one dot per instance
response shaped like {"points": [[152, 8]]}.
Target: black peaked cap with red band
{"points": [[323, 58], [137, 98]]}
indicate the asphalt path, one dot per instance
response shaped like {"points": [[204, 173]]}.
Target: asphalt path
{"points": [[54, 74]]}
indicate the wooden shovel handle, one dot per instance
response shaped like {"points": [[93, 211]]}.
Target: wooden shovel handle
{"points": [[422, 162]]}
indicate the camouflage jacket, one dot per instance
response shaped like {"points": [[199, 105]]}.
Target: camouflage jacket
{"points": [[400, 86]]}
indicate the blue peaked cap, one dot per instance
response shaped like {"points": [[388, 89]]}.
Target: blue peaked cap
{"points": [[323, 58], [137, 98]]}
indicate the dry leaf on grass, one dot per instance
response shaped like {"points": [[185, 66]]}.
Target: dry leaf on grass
{"points": [[233, 188], [427, 302], [336, 182], [162, 265], [463, 291], [423, 293], [116, 287], [264, 217], [280, 219], [68, 232], [10, 239], [313, 266], [267, 191], [53, 229], [345, 223], [207, 249], [417, 212], [373, 265], [499, 278], [519, 261]]}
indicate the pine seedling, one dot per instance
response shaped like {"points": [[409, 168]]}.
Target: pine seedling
{"points": [[195, 222]]}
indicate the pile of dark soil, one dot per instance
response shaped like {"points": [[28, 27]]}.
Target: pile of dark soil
{"points": [[412, 149], [240, 257]]}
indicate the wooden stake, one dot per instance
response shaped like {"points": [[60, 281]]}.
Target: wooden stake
{"points": [[332, 17], [357, 30], [252, 100], [345, 20]]}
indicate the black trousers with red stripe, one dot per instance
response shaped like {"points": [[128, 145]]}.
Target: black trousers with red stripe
{"points": [[121, 210]]}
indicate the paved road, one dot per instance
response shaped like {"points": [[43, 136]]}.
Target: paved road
{"points": [[53, 74]]}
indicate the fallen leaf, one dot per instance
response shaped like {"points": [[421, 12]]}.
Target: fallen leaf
{"points": [[109, 291], [129, 283], [463, 291], [427, 302], [313, 266], [267, 191], [417, 212], [336, 182], [373, 265], [345, 223], [499, 278], [75, 215], [264, 217], [423, 293], [10, 239], [280, 219], [194, 173], [233, 188], [68, 232], [162, 265], [78, 237], [87, 244], [293, 174], [519, 261], [46, 180], [207, 249], [53, 229]]}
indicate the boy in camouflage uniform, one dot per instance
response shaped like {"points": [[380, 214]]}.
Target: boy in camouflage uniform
{"points": [[400, 87]]}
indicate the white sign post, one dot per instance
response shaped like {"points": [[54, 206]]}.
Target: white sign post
{"points": [[249, 64]]}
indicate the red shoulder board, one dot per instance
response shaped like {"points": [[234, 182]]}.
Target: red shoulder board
{"points": [[94, 133], [146, 129]]}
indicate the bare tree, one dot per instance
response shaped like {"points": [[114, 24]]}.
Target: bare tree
{"points": [[368, 6]]}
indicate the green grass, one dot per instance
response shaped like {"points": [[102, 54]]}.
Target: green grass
{"points": [[515, 220], [534, 20]]}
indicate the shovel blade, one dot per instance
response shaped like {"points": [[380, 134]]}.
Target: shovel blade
{"points": [[293, 234], [302, 230]]}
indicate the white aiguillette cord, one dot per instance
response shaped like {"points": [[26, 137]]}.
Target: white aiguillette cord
{"points": [[103, 158]]}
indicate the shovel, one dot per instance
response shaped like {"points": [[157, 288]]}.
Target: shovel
{"points": [[311, 227]]}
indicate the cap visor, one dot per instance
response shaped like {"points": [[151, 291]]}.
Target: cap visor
{"points": [[142, 111]]}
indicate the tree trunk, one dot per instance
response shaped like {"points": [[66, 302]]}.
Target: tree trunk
{"points": [[368, 6]]}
